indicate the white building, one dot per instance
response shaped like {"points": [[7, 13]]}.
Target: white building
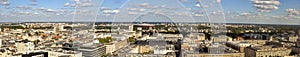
{"points": [[64, 53], [24, 47], [92, 50]]}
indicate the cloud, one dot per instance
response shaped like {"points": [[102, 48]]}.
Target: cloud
{"points": [[248, 15], [111, 11], [85, 1], [132, 12], [42, 8], [245, 14], [198, 13], [33, 0], [86, 4], [26, 13], [4, 2], [197, 5], [67, 4], [81, 3], [33, 3], [292, 12], [219, 1], [266, 5], [184, 0], [36, 13], [144, 4], [104, 8], [24, 7]]}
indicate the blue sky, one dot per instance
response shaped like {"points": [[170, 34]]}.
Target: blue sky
{"points": [[236, 11]]}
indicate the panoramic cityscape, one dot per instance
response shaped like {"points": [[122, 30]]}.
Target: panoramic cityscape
{"points": [[149, 28]]}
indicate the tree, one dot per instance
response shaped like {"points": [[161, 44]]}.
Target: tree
{"points": [[36, 42], [105, 40], [131, 39]]}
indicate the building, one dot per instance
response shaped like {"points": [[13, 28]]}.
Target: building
{"points": [[24, 46], [110, 47], [266, 51], [148, 48], [121, 41], [210, 51], [64, 54], [172, 37], [221, 38], [0, 43], [147, 51], [238, 45], [36, 54], [92, 49], [296, 49], [216, 55], [292, 38], [197, 36]]}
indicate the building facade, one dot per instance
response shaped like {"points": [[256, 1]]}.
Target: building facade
{"points": [[267, 51]]}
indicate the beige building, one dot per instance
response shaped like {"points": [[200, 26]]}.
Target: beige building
{"points": [[115, 45], [260, 42], [220, 39], [266, 51], [216, 55], [238, 45], [144, 49], [292, 38]]}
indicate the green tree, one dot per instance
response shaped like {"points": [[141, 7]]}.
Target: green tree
{"points": [[36, 41], [131, 39], [105, 40]]}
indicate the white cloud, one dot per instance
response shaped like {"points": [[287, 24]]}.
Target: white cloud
{"points": [[131, 12], [144, 4], [36, 13], [67, 4], [111, 11], [292, 12], [197, 5], [266, 5], [26, 13], [184, 0], [86, 4], [24, 7], [33, 0], [142, 9], [4, 2], [219, 1], [42, 8]]}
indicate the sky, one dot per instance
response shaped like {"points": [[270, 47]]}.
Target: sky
{"points": [[235, 11]]}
